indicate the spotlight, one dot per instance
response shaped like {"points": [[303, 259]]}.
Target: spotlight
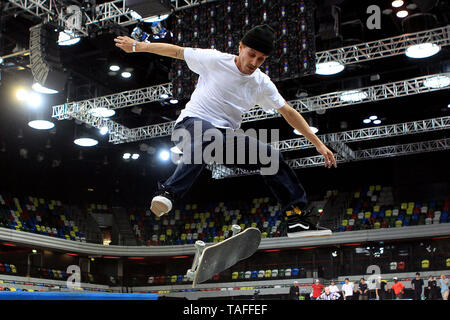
{"points": [[378, 121], [41, 124], [397, 3], [173, 101], [164, 155], [373, 117], [135, 156], [67, 38], [21, 94], [353, 96], [164, 96], [103, 130], [102, 112], [85, 142], [423, 50], [126, 74], [39, 88], [437, 82], [402, 14], [114, 67], [329, 68], [126, 156], [367, 121], [34, 100]]}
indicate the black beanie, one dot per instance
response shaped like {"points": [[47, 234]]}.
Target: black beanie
{"points": [[260, 38]]}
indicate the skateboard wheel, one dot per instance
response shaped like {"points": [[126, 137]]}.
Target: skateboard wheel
{"points": [[199, 244]]}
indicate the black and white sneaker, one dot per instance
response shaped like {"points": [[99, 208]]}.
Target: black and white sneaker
{"points": [[161, 203], [299, 226]]}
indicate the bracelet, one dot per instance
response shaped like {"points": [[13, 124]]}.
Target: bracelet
{"points": [[134, 45]]}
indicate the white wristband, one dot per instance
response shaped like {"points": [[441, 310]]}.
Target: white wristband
{"points": [[134, 45]]}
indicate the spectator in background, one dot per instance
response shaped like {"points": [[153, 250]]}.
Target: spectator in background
{"points": [[382, 291], [433, 293], [398, 288], [417, 285], [347, 289], [333, 288], [317, 289], [294, 292], [328, 295], [363, 290], [444, 287]]}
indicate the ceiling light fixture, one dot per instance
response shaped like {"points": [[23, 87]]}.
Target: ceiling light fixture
{"points": [[422, 50], [114, 67], [329, 68], [126, 156], [397, 3], [437, 82], [85, 142], [41, 124], [126, 74], [67, 38], [402, 14], [353, 96], [102, 112], [41, 89]]}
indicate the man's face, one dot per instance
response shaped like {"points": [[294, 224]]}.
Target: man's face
{"points": [[250, 59]]}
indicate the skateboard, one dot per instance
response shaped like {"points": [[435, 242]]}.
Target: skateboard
{"points": [[221, 256]]}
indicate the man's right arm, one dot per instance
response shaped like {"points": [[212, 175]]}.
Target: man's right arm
{"points": [[159, 48], [162, 49]]}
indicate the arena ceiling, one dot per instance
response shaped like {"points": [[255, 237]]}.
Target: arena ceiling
{"points": [[53, 163]]}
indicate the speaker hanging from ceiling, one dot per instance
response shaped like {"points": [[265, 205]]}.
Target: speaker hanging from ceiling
{"points": [[45, 59]]}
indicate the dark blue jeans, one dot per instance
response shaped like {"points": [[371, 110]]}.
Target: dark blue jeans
{"points": [[284, 184]]}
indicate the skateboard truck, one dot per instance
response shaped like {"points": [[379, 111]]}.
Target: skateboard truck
{"points": [[199, 246]]}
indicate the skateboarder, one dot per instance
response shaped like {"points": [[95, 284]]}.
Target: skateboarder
{"points": [[228, 86]]}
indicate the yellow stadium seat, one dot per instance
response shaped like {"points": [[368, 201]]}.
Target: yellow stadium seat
{"points": [[221, 238], [378, 187], [349, 211], [357, 195], [398, 223], [264, 235], [425, 264], [211, 224], [242, 226], [169, 232], [388, 213], [367, 214], [234, 275], [254, 224], [216, 239], [447, 263], [376, 209], [253, 210], [377, 225], [173, 279], [12, 289], [404, 206], [268, 274], [344, 222]]}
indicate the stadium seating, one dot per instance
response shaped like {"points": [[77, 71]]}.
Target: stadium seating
{"points": [[37, 215]]}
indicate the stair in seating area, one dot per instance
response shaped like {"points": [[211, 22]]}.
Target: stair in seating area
{"points": [[333, 209], [127, 237]]}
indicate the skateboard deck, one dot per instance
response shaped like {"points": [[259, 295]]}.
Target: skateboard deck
{"points": [[227, 253]]}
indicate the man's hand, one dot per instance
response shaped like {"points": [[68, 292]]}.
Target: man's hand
{"points": [[328, 155], [124, 43]]}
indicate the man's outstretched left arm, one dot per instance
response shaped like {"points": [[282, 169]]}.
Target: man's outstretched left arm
{"points": [[296, 120]]}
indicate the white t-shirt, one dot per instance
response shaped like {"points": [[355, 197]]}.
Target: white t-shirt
{"points": [[223, 93], [348, 289], [334, 288]]}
